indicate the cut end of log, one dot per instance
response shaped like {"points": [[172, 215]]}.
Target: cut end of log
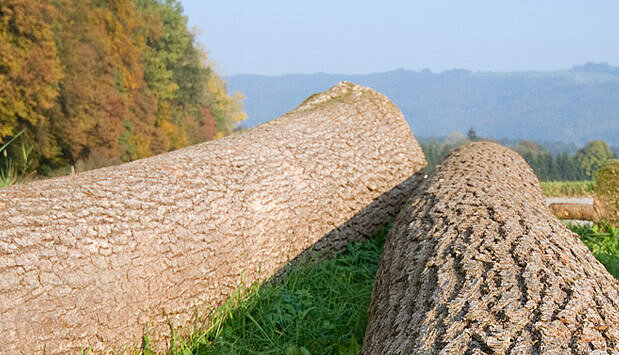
{"points": [[475, 263]]}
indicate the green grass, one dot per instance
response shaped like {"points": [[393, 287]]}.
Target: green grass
{"points": [[568, 188], [603, 241], [318, 308], [322, 308]]}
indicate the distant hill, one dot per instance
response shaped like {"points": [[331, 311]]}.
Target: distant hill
{"points": [[575, 105]]}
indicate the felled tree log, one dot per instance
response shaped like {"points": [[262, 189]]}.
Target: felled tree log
{"points": [[476, 264], [98, 258], [573, 211]]}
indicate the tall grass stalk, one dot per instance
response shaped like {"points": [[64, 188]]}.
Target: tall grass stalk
{"points": [[10, 172]]}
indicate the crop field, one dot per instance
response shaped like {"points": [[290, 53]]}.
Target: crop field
{"points": [[568, 188]]}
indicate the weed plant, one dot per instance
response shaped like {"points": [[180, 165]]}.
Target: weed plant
{"points": [[10, 172]]}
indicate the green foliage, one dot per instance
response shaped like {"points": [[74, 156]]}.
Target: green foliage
{"points": [[318, 308], [190, 108], [567, 168], [581, 166], [607, 180], [603, 241], [591, 158], [541, 161], [546, 166], [568, 188], [435, 151]]}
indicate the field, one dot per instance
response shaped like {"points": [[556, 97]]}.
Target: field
{"points": [[568, 188], [322, 308]]}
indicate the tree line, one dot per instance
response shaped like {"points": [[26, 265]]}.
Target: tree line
{"points": [[581, 165], [99, 82]]}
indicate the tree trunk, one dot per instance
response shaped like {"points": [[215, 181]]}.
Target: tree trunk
{"points": [[476, 264], [97, 258]]}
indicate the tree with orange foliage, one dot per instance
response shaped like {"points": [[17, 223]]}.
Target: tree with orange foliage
{"points": [[105, 81], [29, 67]]}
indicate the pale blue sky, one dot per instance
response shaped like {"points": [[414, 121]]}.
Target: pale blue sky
{"points": [[345, 36]]}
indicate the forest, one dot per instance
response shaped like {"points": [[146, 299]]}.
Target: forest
{"points": [[96, 83], [560, 166]]}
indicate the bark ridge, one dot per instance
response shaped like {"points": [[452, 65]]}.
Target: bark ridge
{"points": [[476, 264]]}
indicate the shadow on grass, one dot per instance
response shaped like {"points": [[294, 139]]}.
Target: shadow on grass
{"points": [[316, 304], [611, 262], [317, 308], [321, 307]]}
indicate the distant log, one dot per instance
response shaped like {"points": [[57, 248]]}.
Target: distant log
{"points": [[573, 211], [476, 264], [97, 258]]}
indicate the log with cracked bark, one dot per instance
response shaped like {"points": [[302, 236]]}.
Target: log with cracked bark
{"points": [[476, 264], [93, 259]]}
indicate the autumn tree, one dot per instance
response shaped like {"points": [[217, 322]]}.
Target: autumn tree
{"points": [[29, 67], [106, 81], [191, 97]]}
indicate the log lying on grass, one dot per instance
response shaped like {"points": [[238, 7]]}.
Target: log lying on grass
{"points": [[573, 211], [95, 258], [475, 263]]}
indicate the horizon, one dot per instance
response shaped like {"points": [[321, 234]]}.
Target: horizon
{"points": [[275, 37], [571, 68], [538, 106]]}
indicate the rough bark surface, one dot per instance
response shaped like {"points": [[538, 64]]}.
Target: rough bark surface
{"points": [[93, 259], [476, 264]]}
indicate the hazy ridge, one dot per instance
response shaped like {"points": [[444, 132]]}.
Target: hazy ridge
{"points": [[575, 105]]}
